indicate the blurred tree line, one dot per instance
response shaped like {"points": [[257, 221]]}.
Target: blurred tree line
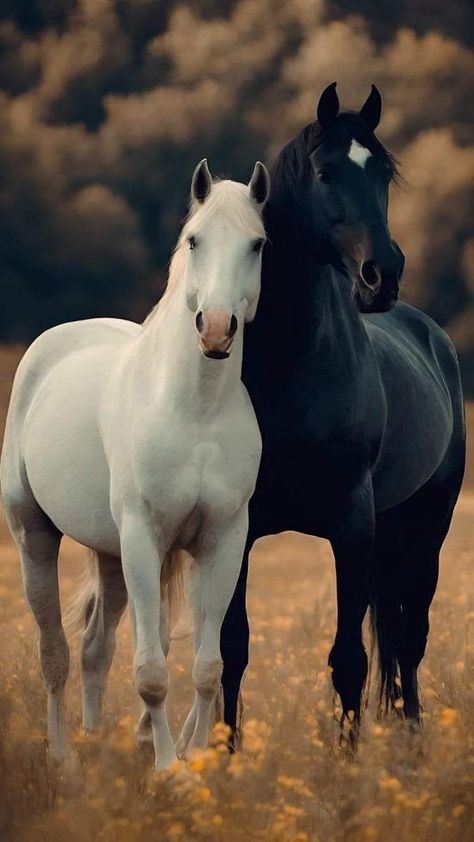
{"points": [[106, 106]]}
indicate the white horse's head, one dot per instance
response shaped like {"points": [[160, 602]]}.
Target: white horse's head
{"points": [[224, 237]]}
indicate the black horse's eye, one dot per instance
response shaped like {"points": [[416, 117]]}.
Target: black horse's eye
{"points": [[325, 176], [192, 242], [258, 245]]}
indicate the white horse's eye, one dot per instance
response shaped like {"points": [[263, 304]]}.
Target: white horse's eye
{"points": [[192, 242], [258, 245]]}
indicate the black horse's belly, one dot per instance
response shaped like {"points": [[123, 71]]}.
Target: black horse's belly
{"points": [[419, 372]]}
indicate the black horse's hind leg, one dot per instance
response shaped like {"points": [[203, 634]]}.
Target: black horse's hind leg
{"points": [[352, 543], [408, 541], [427, 516], [235, 650]]}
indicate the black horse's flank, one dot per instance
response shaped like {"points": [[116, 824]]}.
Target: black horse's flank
{"points": [[359, 404]]}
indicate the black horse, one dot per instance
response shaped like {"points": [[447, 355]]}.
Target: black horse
{"points": [[359, 403]]}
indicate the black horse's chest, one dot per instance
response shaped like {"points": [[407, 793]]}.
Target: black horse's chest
{"points": [[305, 472]]}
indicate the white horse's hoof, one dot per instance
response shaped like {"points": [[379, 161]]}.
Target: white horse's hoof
{"points": [[180, 747], [144, 738], [164, 764], [58, 753], [66, 761]]}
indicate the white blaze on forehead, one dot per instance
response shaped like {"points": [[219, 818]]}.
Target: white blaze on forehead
{"points": [[359, 154]]}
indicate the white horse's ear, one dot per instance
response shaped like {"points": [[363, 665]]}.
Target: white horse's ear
{"points": [[201, 183], [259, 184]]}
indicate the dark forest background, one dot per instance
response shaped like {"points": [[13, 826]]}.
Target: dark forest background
{"points": [[106, 106]]}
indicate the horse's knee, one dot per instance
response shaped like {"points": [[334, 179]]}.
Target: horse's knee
{"points": [[235, 655], [54, 657], [151, 681], [207, 675]]}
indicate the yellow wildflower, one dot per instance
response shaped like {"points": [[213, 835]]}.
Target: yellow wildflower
{"points": [[203, 793], [448, 717], [390, 783]]}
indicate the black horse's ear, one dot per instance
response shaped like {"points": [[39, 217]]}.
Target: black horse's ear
{"points": [[372, 109], [328, 106], [201, 183]]}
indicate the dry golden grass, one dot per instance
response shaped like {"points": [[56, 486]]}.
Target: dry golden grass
{"points": [[291, 782]]}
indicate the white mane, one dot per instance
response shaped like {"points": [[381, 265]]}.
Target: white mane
{"points": [[229, 199]]}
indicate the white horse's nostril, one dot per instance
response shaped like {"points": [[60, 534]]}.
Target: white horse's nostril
{"points": [[199, 322]]}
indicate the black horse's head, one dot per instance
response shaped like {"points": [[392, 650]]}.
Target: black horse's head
{"points": [[341, 174]]}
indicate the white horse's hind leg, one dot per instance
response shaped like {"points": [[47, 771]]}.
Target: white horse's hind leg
{"points": [[39, 549], [98, 641], [189, 726]]}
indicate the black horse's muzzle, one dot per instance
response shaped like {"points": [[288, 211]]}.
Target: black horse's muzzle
{"points": [[377, 285]]}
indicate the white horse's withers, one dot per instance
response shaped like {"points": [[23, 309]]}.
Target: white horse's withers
{"points": [[138, 441]]}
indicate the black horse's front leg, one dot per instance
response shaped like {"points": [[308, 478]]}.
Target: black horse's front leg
{"points": [[352, 542], [235, 650]]}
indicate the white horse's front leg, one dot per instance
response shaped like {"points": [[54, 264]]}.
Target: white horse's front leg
{"points": [[219, 571], [143, 731], [141, 560]]}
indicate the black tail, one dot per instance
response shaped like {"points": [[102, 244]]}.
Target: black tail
{"points": [[385, 621]]}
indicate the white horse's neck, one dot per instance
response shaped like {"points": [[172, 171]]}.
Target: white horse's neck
{"points": [[178, 372]]}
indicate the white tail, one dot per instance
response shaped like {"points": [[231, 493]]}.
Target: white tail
{"points": [[78, 612], [179, 578]]}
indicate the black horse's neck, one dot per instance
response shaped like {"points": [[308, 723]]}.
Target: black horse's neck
{"points": [[307, 323]]}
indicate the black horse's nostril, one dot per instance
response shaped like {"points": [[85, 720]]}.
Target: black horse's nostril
{"points": [[199, 322], [370, 274], [233, 326]]}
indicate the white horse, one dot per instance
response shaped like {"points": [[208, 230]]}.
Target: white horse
{"points": [[139, 441]]}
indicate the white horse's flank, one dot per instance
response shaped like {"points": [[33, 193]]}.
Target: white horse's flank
{"points": [[138, 441]]}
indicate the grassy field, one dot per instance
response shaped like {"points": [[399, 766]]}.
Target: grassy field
{"points": [[291, 782]]}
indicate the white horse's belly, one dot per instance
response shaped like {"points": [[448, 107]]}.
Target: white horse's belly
{"points": [[63, 452]]}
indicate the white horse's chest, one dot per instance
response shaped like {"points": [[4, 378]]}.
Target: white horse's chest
{"points": [[191, 472]]}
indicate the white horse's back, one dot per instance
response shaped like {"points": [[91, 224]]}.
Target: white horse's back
{"points": [[52, 449], [54, 345]]}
